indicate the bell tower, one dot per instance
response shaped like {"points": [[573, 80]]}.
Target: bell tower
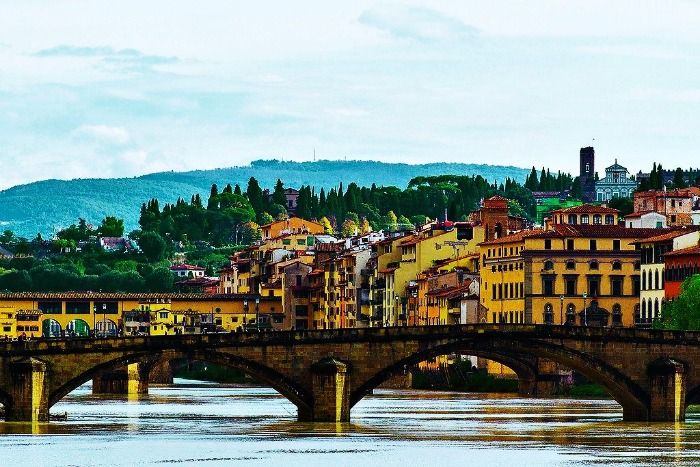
{"points": [[586, 174]]}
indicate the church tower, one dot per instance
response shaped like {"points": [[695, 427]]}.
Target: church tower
{"points": [[587, 174]]}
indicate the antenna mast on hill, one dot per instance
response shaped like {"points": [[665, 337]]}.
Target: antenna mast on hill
{"points": [[314, 154]]}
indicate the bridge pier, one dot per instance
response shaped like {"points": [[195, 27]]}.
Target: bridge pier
{"points": [[28, 392], [667, 390], [161, 373], [331, 392], [131, 379]]}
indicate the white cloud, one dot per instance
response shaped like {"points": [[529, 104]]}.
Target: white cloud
{"points": [[417, 23], [104, 134]]}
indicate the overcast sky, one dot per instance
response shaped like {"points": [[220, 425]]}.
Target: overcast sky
{"points": [[121, 88]]}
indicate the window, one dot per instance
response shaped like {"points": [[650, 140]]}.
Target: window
{"points": [[673, 218], [616, 286], [548, 265], [584, 218], [609, 219], [571, 265], [547, 244], [572, 219], [570, 283], [616, 245], [593, 286], [548, 314], [570, 244], [597, 219], [79, 308], [594, 265], [548, 286], [617, 266], [593, 245], [50, 307], [570, 314]]}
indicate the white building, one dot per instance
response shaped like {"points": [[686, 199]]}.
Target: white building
{"points": [[644, 220]]}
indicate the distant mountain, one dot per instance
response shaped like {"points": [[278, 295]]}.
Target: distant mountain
{"points": [[49, 204]]}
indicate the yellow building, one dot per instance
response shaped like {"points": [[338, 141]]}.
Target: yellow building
{"points": [[81, 313], [401, 261], [587, 275], [293, 225], [503, 277]]}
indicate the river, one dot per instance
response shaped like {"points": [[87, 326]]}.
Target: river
{"points": [[211, 425]]}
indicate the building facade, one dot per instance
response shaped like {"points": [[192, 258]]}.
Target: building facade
{"points": [[616, 184]]}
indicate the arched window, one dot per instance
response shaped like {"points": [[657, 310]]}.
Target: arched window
{"points": [[656, 308], [570, 264], [572, 219], [570, 314], [644, 281], [656, 278], [644, 310], [548, 265], [594, 265], [616, 265], [609, 219], [548, 314], [617, 315], [597, 219], [584, 218]]}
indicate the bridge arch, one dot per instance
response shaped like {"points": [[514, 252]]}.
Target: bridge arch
{"points": [[515, 353], [287, 388]]}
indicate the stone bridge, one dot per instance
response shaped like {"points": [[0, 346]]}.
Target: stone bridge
{"points": [[653, 375]]}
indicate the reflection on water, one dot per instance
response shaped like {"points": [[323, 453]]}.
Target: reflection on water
{"points": [[206, 424]]}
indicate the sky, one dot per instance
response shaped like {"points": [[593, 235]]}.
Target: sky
{"points": [[118, 89]]}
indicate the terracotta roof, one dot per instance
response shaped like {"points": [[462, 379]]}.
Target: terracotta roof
{"points": [[515, 237], [121, 296], [586, 209], [599, 231], [693, 250], [415, 240], [200, 281], [497, 198], [664, 236], [185, 267], [635, 215], [284, 221], [387, 270]]}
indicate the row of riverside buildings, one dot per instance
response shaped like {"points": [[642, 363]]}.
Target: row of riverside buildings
{"points": [[586, 265]]}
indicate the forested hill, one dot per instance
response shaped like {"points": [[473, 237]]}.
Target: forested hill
{"points": [[41, 206]]}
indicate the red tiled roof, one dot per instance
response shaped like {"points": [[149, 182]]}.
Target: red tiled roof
{"points": [[635, 215], [693, 250], [586, 209], [664, 236], [415, 240], [185, 267], [599, 231], [515, 237]]}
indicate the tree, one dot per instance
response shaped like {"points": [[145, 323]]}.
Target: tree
{"points": [[111, 227], [404, 223], [349, 228], [7, 237], [251, 233], [679, 179], [266, 218], [391, 221], [365, 226], [683, 312], [16, 281], [278, 196], [153, 246], [160, 280], [624, 205], [327, 227]]}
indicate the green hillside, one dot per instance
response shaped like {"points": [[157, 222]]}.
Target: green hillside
{"points": [[41, 206]]}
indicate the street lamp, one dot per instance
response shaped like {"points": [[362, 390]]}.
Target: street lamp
{"points": [[561, 310], [585, 312], [257, 313], [245, 314]]}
